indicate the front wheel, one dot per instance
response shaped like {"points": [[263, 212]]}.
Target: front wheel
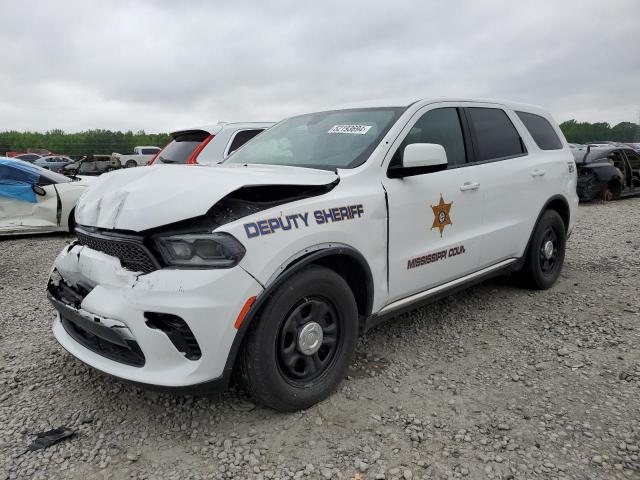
{"points": [[300, 346], [545, 255], [130, 164]]}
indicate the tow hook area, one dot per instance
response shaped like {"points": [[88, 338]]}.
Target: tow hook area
{"points": [[178, 332]]}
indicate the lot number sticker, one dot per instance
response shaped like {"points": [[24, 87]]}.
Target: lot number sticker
{"points": [[353, 129]]}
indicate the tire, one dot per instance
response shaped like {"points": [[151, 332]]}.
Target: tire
{"points": [[273, 364], [540, 271], [611, 191], [130, 164]]}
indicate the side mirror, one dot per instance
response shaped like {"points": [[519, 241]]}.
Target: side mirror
{"points": [[420, 158], [38, 190]]}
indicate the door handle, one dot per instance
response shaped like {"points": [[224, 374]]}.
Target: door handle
{"points": [[469, 186], [537, 173]]}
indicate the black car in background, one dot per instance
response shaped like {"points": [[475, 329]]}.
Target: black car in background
{"points": [[607, 172]]}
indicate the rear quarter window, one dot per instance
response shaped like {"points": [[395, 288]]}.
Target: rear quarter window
{"points": [[240, 138], [541, 130], [494, 134]]}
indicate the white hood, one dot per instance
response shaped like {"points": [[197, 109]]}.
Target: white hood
{"points": [[137, 199]]}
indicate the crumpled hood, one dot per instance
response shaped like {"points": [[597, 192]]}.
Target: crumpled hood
{"points": [[141, 198]]}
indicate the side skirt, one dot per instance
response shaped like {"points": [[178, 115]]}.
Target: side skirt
{"points": [[436, 293]]}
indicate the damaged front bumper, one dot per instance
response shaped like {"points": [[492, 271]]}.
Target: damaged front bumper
{"points": [[170, 328]]}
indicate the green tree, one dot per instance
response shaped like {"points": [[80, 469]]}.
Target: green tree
{"points": [[98, 142]]}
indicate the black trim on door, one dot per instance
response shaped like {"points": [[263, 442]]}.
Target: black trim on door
{"points": [[467, 134], [58, 207]]}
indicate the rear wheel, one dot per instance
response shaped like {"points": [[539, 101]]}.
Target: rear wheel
{"points": [[300, 347], [130, 164], [545, 254]]}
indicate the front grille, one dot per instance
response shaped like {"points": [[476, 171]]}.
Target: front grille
{"points": [[129, 249], [129, 355]]}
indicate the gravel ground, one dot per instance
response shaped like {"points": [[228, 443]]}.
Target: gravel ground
{"points": [[495, 382]]}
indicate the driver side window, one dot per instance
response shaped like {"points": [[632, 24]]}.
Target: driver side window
{"points": [[440, 126]]}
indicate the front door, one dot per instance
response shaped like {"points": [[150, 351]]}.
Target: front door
{"points": [[435, 219]]}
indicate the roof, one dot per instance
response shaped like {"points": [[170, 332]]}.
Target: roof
{"points": [[27, 167], [405, 102], [595, 153], [217, 127]]}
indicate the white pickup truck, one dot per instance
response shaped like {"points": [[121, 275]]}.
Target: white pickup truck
{"points": [[139, 158]]}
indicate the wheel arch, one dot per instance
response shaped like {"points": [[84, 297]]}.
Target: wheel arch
{"points": [[557, 203], [345, 260], [560, 204]]}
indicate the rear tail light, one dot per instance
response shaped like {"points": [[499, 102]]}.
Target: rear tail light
{"points": [[196, 152]]}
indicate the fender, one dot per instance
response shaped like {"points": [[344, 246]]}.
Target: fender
{"points": [[606, 172], [294, 265]]}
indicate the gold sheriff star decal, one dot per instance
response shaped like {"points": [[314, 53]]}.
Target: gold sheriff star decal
{"points": [[441, 215]]}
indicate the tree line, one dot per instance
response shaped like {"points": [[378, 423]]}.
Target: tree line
{"points": [[106, 142], [582, 132], [96, 142]]}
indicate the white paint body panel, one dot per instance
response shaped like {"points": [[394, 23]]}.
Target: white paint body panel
{"points": [[206, 299], [223, 134], [493, 222], [143, 198], [18, 218]]}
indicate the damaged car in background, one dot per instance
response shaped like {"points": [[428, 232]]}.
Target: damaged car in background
{"points": [[608, 173], [319, 228], [36, 200]]}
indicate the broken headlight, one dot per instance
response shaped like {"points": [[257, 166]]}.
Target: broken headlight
{"points": [[201, 250]]}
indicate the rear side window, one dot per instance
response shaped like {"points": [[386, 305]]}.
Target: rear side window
{"points": [[495, 136], [440, 126], [181, 147], [541, 130], [242, 137]]}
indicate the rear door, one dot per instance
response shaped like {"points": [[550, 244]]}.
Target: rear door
{"points": [[435, 219], [634, 165], [519, 178]]}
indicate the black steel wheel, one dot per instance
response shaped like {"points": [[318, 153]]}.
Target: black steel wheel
{"points": [[545, 254], [548, 250], [308, 340], [300, 345]]}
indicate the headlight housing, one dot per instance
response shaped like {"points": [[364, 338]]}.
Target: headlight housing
{"points": [[201, 250]]}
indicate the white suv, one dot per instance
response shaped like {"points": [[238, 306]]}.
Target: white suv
{"points": [[208, 144], [310, 234]]}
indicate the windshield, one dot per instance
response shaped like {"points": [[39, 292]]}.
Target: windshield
{"points": [[325, 140]]}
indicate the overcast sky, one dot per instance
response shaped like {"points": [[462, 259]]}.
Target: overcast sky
{"points": [[164, 65]]}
